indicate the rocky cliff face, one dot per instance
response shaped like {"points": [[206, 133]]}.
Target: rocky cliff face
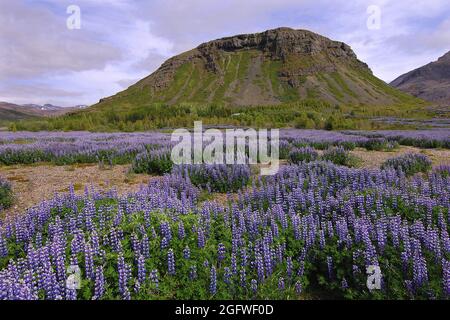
{"points": [[430, 82], [272, 67], [281, 43]]}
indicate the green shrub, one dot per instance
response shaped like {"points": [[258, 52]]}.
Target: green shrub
{"points": [[409, 163], [6, 195], [380, 144], [153, 162], [304, 154], [215, 177], [338, 155], [284, 149]]}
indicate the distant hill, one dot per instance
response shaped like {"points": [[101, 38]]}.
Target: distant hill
{"points": [[430, 82], [13, 112], [269, 68]]}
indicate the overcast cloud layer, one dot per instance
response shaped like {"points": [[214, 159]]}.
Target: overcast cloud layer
{"points": [[121, 41]]}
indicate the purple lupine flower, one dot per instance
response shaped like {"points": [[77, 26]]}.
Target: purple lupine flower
{"points": [[71, 294], [281, 284], [260, 267], [145, 247], [141, 269], [122, 269], [89, 261], [193, 272], [221, 252], [322, 239], [165, 231], [227, 275], [405, 261], [301, 268], [171, 262], [234, 269], [298, 287], [289, 267], [267, 252], [95, 242], [114, 239], [181, 232], [126, 294], [154, 278], [3, 246], [330, 267], [135, 244], [254, 286], [409, 287], [38, 240], [137, 286], [51, 286], [243, 278], [186, 253], [99, 288], [200, 238], [446, 277], [420, 272], [213, 281], [164, 243], [344, 284], [59, 255], [244, 257]]}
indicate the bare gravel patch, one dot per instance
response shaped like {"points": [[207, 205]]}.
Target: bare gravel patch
{"points": [[35, 183], [374, 159]]}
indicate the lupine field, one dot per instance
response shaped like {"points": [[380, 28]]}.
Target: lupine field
{"points": [[224, 232]]}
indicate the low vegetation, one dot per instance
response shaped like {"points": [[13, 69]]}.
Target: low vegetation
{"points": [[6, 194], [380, 144], [216, 178], [304, 154], [153, 162], [409, 163], [339, 155], [305, 114]]}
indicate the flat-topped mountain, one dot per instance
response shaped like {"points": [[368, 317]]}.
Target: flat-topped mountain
{"points": [[268, 68], [430, 82]]}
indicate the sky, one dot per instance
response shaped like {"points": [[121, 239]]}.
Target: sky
{"points": [[51, 54]]}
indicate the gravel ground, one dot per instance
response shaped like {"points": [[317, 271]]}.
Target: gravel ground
{"points": [[373, 159], [32, 184]]}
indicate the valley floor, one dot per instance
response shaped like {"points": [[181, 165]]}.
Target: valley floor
{"points": [[34, 183]]}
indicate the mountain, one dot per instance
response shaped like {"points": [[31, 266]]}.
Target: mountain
{"points": [[268, 68], [12, 112], [45, 107], [430, 82]]}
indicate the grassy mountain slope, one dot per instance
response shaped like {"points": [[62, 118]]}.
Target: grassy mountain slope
{"points": [[274, 67]]}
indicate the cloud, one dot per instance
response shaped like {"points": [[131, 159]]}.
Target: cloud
{"points": [[46, 61], [410, 35], [35, 41], [122, 41], [26, 93]]}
